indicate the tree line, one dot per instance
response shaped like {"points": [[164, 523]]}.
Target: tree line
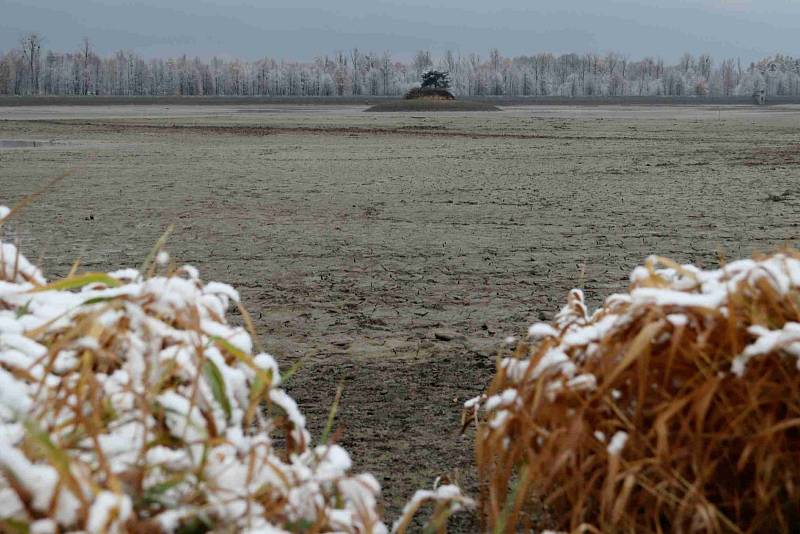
{"points": [[30, 69]]}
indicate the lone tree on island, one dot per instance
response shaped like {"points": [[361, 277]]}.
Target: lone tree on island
{"points": [[436, 78], [434, 86]]}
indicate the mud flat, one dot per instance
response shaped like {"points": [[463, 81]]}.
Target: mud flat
{"points": [[395, 252]]}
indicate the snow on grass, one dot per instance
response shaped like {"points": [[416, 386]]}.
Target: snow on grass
{"points": [[674, 406], [129, 404]]}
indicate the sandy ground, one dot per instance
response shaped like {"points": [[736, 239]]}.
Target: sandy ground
{"points": [[395, 252]]}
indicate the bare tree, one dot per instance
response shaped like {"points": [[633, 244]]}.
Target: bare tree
{"points": [[31, 44], [449, 61], [355, 58], [728, 77], [704, 63], [611, 61], [386, 69], [496, 60], [86, 54], [29, 69], [422, 62], [686, 63]]}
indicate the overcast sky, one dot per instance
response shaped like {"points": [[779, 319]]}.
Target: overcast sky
{"points": [[303, 29]]}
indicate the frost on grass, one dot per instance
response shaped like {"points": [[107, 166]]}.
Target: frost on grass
{"points": [[129, 404], [446, 498], [673, 407]]}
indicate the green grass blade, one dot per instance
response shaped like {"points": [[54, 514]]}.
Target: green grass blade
{"points": [[217, 383], [77, 282], [331, 417], [54, 454], [285, 377], [13, 526], [151, 256]]}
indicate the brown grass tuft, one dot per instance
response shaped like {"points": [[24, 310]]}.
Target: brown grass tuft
{"points": [[675, 407]]}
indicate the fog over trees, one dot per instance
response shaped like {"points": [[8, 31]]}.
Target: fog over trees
{"points": [[30, 69]]}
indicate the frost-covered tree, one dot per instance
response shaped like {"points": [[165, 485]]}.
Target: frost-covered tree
{"points": [[29, 69], [31, 44], [422, 61]]}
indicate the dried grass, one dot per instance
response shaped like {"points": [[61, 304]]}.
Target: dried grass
{"points": [[673, 408], [129, 404]]}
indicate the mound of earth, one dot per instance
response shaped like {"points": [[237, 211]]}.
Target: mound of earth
{"points": [[432, 104], [437, 93]]}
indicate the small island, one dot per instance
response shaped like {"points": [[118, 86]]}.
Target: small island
{"points": [[433, 94]]}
